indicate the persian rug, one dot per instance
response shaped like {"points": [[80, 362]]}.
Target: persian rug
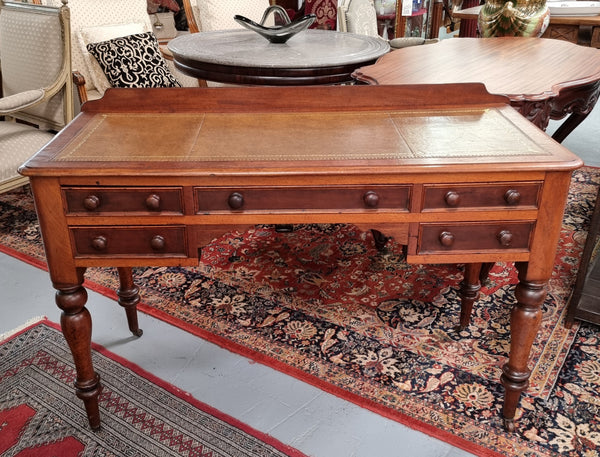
{"points": [[141, 415], [322, 304]]}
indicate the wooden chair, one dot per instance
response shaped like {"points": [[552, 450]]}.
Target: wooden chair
{"points": [[37, 86]]}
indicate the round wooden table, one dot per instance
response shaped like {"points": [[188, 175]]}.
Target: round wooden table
{"points": [[543, 78], [312, 57]]}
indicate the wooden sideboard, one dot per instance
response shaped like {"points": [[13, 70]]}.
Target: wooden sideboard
{"points": [[147, 177]]}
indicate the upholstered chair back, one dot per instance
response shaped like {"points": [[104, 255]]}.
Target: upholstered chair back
{"points": [[96, 20], [358, 16], [209, 15], [34, 45]]}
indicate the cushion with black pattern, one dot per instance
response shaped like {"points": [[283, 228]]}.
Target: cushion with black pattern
{"points": [[133, 61]]}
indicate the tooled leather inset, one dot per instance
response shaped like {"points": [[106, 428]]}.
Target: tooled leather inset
{"points": [[214, 137]]}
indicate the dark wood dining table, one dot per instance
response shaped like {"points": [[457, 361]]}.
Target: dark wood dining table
{"points": [[543, 78]]}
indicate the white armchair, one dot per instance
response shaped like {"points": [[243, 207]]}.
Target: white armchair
{"points": [[36, 83], [93, 21]]}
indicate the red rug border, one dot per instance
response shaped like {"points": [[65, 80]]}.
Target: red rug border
{"points": [[222, 342], [179, 393]]}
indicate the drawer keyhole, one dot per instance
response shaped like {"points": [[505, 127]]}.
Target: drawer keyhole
{"points": [[512, 197], [371, 199], [236, 200], [153, 202], [91, 202], [452, 198], [446, 239], [505, 238], [157, 243], [100, 243]]}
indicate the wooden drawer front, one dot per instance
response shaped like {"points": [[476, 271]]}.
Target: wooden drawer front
{"points": [[512, 195], [266, 199], [492, 236], [129, 241], [92, 200]]}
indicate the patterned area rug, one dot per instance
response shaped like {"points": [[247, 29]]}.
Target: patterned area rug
{"points": [[141, 415], [322, 304]]}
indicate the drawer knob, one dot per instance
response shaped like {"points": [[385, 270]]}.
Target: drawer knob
{"points": [[446, 239], [512, 197], [452, 198], [236, 200], [371, 199], [91, 202], [100, 243], [505, 238], [157, 243], [153, 202]]}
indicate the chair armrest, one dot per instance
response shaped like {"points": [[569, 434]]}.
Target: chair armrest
{"points": [[79, 81], [405, 42], [17, 102]]}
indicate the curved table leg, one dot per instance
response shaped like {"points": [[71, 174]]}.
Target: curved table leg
{"points": [[569, 125], [129, 297], [76, 324], [525, 321], [579, 103]]}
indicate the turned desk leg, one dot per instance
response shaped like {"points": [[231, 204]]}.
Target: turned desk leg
{"points": [[380, 239], [469, 293], [129, 297], [525, 321], [76, 324]]}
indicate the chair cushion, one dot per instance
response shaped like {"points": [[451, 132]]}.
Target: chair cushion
{"points": [[18, 142], [133, 61], [97, 34]]}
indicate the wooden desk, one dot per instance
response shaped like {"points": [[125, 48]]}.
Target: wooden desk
{"points": [[544, 79], [583, 30], [241, 56], [451, 172]]}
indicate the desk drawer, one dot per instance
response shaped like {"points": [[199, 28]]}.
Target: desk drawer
{"points": [[484, 196], [143, 200], [474, 236], [129, 241], [301, 198]]}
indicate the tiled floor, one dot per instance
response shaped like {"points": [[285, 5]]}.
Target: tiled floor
{"points": [[298, 414]]}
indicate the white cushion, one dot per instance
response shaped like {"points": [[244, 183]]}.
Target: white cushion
{"points": [[90, 35], [218, 14]]}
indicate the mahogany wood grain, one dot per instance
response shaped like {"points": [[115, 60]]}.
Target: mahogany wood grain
{"points": [[543, 78], [450, 171]]}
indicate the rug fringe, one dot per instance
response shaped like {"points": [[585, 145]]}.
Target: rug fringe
{"points": [[31, 322]]}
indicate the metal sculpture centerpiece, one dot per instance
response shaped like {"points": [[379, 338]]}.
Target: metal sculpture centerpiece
{"points": [[277, 33], [523, 18]]}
